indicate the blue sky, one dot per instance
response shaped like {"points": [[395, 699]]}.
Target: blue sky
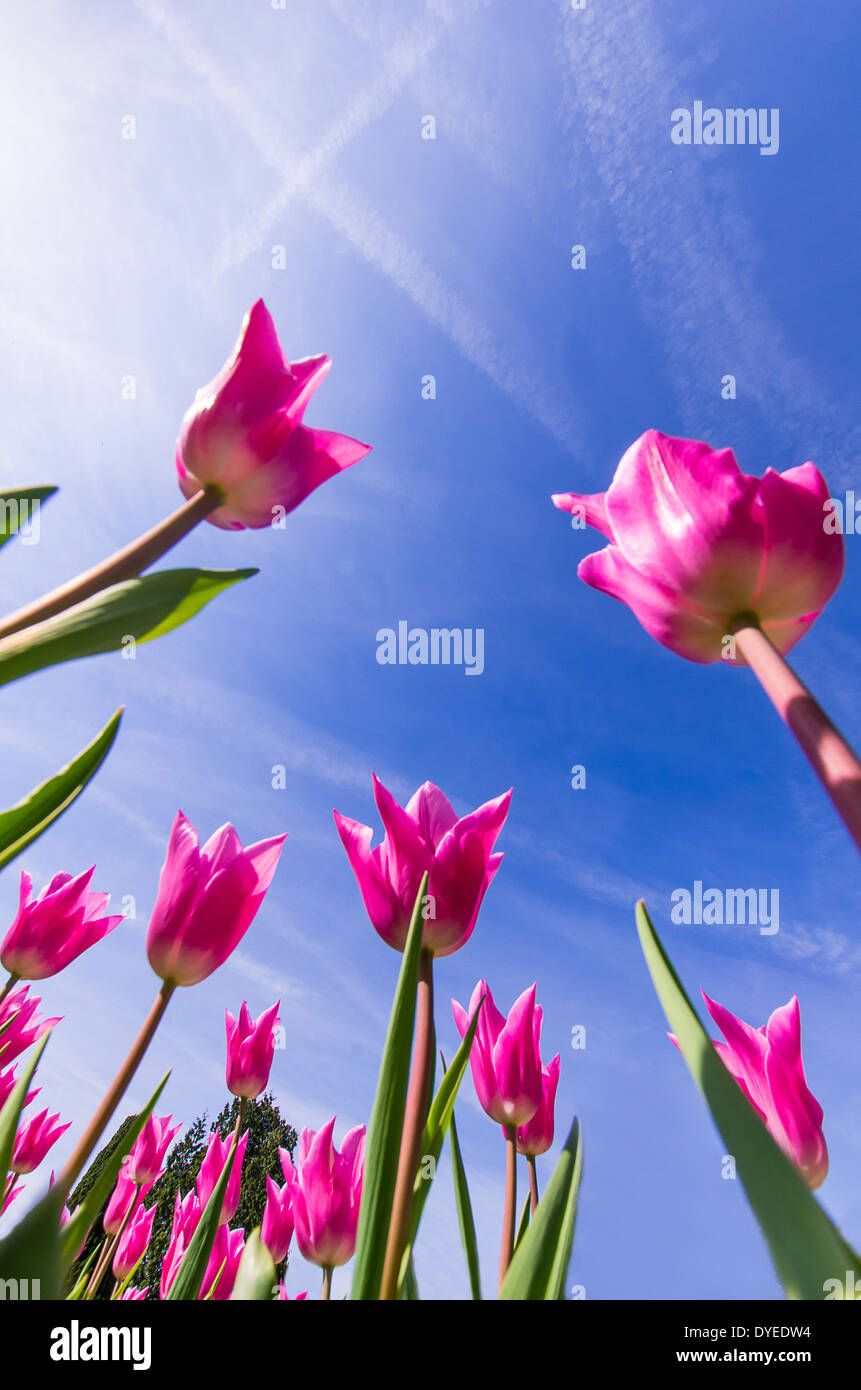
{"points": [[258, 128]]}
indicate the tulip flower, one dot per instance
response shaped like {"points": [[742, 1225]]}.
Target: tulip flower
{"points": [[7, 1086], [33, 1141], [505, 1062], [717, 565], [21, 1024], [133, 1242], [250, 1050], [13, 1190], [277, 1229], [186, 1215], [695, 543], [426, 836], [506, 1073], [536, 1136], [325, 1190], [144, 1163], [56, 927], [766, 1063], [125, 1196], [213, 1166], [132, 1293], [282, 1296], [207, 900], [223, 1265], [243, 433]]}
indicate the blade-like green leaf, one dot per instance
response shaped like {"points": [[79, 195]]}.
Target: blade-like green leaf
{"points": [[436, 1128], [80, 1288], [524, 1221], [11, 1112], [26, 820], [409, 1286], [189, 1278], [17, 509], [255, 1278], [77, 1227], [807, 1249], [464, 1214], [31, 1250], [387, 1119], [539, 1265], [142, 609]]}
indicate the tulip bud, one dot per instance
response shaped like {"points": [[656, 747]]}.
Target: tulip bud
{"points": [[250, 1050]]}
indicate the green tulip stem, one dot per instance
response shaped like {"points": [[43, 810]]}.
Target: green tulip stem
{"points": [[533, 1182], [116, 1091], [509, 1217], [127, 563], [415, 1115], [831, 757]]}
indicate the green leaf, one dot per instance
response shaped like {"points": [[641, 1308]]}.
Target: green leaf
{"points": [[87, 1269], [77, 1227], [255, 1278], [387, 1119], [11, 1112], [189, 1277], [464, 1214], [31, 1249], [26, 820], [436, 1128], [13, 513], [409, 1286], [524, 1221], [806, 1247], [142, 608], [539, 1266]]}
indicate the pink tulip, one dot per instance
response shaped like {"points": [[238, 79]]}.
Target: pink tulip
{"points": [[124, 1197], [695, 543], [325, 1191], [427, 835], [244, 432], [7, 1086], [187, 1212], [277, 1229], [213, 1166], [53, 930], [144, 1163], [536, 1136], [20, 1024], [506, 1066], [223, 1264], [133, 1242], [766, 1063], [283, 1296], [132, 1293], [33, 1141], [13, 1190], [250, 1050], [207, 900]]}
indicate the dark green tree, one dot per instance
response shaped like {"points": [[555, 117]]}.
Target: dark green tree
{"points": [[267, 1132]]}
